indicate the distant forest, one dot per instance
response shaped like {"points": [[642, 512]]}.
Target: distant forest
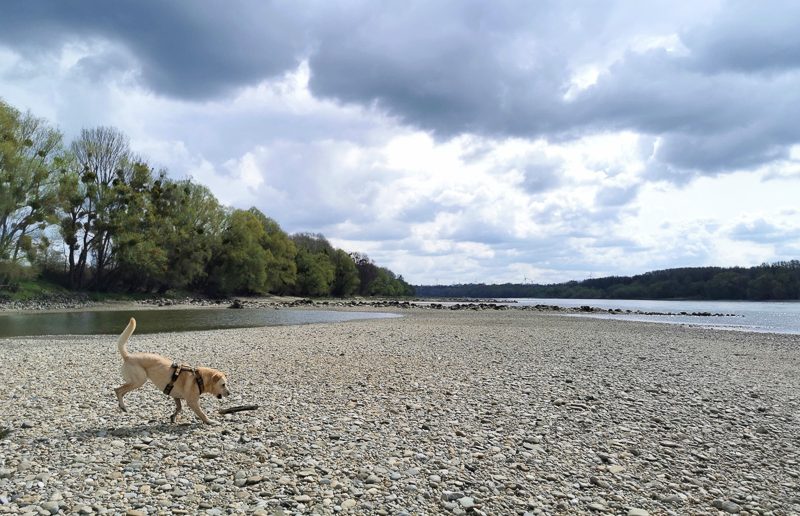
{"points": [[767, 282], [93, 216]]}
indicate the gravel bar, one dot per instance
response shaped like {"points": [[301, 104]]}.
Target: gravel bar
{"points": [[437, 412]]}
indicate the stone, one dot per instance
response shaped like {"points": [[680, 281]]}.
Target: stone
{"points": [[599, 482], [727, 506], [349, 504], [635, 511], [466, 502]]}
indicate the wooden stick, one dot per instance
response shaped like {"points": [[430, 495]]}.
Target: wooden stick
{"points": [[239, 408]]}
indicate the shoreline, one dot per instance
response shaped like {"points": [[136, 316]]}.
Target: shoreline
{"points": [[485, 412], [412, 305]]}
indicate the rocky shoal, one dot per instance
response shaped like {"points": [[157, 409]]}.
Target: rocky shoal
{"points": [[438, 412]]}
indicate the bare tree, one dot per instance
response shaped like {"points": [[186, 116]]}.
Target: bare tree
{"points": [[103, 156]]}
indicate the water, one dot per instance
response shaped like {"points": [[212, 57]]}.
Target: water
{"points": [[155, 321], [774, 317]]}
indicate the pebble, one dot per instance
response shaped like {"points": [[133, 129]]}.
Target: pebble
{"points": [[466, 502], [726, 506]]}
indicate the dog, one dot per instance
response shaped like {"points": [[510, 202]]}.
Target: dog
{"points": [[179, 381]]}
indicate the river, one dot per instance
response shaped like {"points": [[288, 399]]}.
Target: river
{"points": [[773, 317], [92, 322]]}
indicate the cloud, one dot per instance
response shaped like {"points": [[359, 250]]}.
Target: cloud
{"points": [[182, 48], [749, 37], [453, 140], [616, 195], [711, 79], [764, 232]]}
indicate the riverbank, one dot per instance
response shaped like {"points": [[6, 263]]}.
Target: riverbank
{"points": [[493, 412]]}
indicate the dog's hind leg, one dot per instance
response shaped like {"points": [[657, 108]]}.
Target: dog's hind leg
{"points": [[174, 417], [124, 389], [134, 377]]}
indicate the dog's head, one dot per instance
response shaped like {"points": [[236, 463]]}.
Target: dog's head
{"points": [[218, 386]]}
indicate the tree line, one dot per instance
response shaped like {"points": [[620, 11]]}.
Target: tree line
{"points": [[92, 215], [776, 281]]}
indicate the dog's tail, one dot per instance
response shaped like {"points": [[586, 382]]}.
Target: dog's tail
{"points": [[123, 339]]}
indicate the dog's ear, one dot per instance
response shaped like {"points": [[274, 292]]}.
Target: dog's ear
{"points": [[217, 376]]}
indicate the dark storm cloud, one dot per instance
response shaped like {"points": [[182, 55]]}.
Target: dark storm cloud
{"points": [[506, 74], [184, 48], [727, 99], [450, 67], [749, 37]]}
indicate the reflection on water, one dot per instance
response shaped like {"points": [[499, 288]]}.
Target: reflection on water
{"points": [[156, 321]]}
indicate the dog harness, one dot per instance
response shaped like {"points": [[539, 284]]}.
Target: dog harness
{"points": [[176, 372]]}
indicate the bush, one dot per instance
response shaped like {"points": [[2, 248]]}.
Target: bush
{"points": [[11, 274]]}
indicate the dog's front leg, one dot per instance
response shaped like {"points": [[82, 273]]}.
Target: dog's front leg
{"points": [[195, 406], [174, 417]]}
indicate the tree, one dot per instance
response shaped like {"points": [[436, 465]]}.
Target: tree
{"points": [[313, 242], [240, 263], [28, 150], [315, 273], [367, 272], [281, 266], [182, 226], [103, 160], [345, 278], [74, 218]]}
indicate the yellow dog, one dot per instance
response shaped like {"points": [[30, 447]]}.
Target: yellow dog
{"points": [[179, 381]]}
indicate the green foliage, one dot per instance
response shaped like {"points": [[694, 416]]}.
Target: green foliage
{"points": [[28, 148], [27, 288], [379, 281], [345, 277], [239, 265], [281, 253], [315, 273], [170, 230], [12, 274], [779, 281]]}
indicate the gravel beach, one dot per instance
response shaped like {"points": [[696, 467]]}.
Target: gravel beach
{"points": [[437, 412]]}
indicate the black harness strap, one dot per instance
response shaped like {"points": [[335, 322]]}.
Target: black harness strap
{"points": [[199, 379], [176, 372]]}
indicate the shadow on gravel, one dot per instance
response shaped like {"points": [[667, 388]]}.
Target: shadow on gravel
{"points": [[149, 429]]}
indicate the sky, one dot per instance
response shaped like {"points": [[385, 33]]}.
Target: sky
{"points": [[452, 141]]}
